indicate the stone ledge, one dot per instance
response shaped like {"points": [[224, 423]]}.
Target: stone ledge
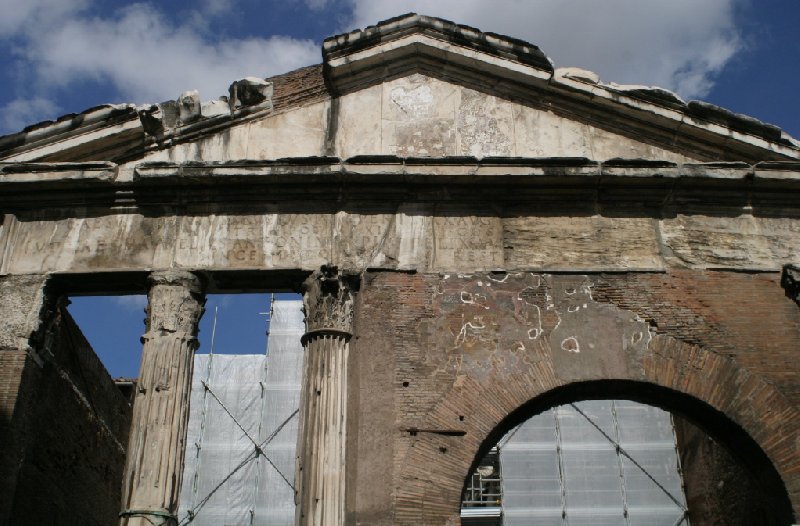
{"points": [[385, 169]]}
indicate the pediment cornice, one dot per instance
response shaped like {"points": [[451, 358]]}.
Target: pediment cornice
{"points": [[520, 71]]}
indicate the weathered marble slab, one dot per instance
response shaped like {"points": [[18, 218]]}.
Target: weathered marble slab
{"points": [[270, 240], [420, 116], [744, 241], [115, 242], [296, 133], [467, 242], [415, 236], [595, 242], [365, 240]]}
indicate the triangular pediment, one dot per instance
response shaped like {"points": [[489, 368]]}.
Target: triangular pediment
{"points": [[517, 71], [412, 86]]}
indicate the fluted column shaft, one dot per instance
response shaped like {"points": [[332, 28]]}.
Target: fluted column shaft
{"points": [[320, 479], [154, 463]]}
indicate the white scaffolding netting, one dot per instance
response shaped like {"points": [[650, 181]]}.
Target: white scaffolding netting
{"points": [[284, 378], [599, 462], [238, 401]]}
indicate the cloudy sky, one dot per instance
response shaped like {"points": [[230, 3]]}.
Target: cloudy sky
{"points": [[62, 56]]}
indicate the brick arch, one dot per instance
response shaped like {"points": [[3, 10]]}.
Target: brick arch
{"points": [[670, 373]]}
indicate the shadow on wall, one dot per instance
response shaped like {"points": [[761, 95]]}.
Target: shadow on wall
{"points": [[70, 429]]}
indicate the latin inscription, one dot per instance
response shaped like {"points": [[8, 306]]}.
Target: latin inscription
{"points": [[298, 240], [468, 243], [244, 245], [417, 237], [362, 240]]}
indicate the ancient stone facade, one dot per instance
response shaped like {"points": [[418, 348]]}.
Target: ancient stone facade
{"points": [[506, 236]]}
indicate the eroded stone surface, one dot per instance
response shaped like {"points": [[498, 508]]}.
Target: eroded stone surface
{"points": [[581, 243], [154, 464], [329, 307], [249, 91], [297, 133], [418, 115], [415, 236], [742, 241], [20, 309]]}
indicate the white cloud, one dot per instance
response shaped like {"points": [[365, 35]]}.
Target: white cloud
{"points": [[676, 44], [134, 303], [142, 53], [148, 59], [316, 5], [215, 7], [21, 112], [32, 15]]}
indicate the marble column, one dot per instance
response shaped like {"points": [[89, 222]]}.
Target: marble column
{"points": [[320, 478], [154, 462]]}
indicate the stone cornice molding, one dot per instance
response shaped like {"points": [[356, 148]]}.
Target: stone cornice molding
{"points": [[38, 188]]}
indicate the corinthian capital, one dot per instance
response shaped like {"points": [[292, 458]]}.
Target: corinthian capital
{"points": [[175, 302], [328, 301]]}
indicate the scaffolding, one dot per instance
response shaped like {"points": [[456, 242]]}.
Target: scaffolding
{"points": [[599, 462], [605, 462], [242, 432]]}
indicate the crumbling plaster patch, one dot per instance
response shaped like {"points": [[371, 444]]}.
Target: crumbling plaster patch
{"points": [[462, 365], [21, 310], [489, 326]]}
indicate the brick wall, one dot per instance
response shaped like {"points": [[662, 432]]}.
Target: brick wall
{"points": [[69, 424], [443, 365], [14, 418]]}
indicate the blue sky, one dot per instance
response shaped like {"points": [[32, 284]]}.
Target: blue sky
{"points": [[114, 326], [63, 56]]}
